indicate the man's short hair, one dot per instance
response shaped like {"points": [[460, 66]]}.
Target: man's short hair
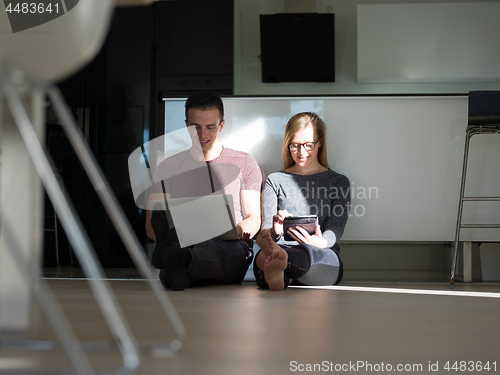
{"points": [[205, 100]]}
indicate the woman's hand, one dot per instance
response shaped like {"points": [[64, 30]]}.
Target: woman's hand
{"points": [[278, 222], [302, 236]]}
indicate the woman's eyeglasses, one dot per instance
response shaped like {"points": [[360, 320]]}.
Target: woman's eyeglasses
{"points": [[309, 146]]}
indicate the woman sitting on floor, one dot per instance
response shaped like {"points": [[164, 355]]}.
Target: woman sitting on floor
{"points": [[306, 186]]}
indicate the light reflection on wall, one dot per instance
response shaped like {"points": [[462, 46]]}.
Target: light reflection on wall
{"points": [[381, 142], [246, 136], [253, 125]]}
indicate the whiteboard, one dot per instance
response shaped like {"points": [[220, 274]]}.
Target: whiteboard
{"points": [[428, 42], [403, 156]]}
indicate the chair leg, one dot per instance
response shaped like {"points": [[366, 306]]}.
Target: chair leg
{"points": [[56, 238], [460, 208], [70, 255], [61, 183]]}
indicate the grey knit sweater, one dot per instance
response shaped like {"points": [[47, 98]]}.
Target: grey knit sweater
{"points": [[325, 194]]}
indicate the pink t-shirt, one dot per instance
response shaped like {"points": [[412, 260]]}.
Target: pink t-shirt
{"points": [[231, 172]]}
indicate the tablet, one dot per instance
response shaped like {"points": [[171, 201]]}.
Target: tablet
{"points": [[308, 222]]}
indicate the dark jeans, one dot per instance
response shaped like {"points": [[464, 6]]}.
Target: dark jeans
{"points": [[219, 262], [210, 262]]}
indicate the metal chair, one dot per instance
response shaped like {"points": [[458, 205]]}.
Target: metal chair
{"points": [[54, 228], [484, 118], [29, 61]]}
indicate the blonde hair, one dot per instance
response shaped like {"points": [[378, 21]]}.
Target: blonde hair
{"points": [[297, 123]]}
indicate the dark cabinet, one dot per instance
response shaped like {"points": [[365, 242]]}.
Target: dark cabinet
{"points": [[172, 47], [112, 101], [195, 46]]}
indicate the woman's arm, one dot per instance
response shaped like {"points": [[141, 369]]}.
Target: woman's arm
{"points": [[332, 227], [334, 224], [272, 217]]}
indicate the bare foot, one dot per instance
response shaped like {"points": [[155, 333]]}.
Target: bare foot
{"points": [[267, 247], [273, 269], [265, 242]]}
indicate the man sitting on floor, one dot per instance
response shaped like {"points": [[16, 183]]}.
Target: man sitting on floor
{"points": [[206, 168]]}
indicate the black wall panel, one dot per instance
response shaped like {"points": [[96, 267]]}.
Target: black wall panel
{"points": [[170, 46], [195, 37]]}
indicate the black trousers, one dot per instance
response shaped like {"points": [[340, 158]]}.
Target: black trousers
{"points": [[219, 262], [210, 262]]}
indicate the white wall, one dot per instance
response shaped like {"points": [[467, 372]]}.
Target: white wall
{"points": [[484, 152], [445, 42], [403, 156], [247, 51]]}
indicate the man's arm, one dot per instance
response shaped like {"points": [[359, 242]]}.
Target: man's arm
{"points": [[250, 204], [149, 228]]}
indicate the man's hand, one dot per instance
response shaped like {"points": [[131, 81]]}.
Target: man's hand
{"points": [[242, 235], [250, 204]]}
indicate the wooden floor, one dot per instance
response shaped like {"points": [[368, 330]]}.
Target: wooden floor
{"points": [[241, 329]]}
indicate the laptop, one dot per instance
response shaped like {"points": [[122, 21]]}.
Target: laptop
{"points": [[198, 219]]}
